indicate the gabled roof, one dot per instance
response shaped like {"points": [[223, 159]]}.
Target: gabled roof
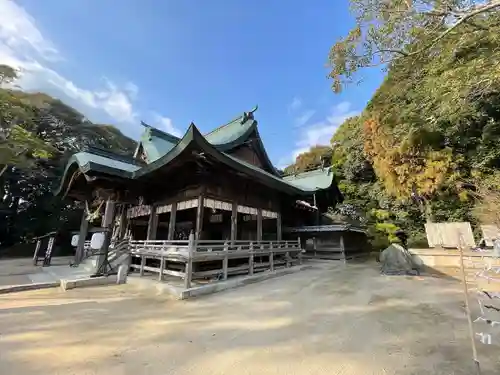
{"points": [[314, 180], [234, 132], [156, 143], [194, 137], [162, 148]]}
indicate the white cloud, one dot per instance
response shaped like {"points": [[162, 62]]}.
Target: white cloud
{"points": [[24, 47], [295, 104], [19, 32], [319, 133], [300, 114], [304, 117], [166, 124]]}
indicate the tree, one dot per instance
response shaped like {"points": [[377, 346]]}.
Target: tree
{"points": [[33, 127], [7, 74], [389, 31], [21, 147], [487, 199], [18, 145], [410, 166], [316, 156]]}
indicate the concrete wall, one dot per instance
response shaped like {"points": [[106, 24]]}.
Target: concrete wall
{"points": [[447, 261]]}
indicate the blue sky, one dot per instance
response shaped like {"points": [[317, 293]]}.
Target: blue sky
{"points": [[172, 62]]}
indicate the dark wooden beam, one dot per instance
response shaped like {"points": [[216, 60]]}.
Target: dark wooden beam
{"points": [[152, 224], [259, 224], [278, 227], [199, 217], [234, 221], [171, 224]]}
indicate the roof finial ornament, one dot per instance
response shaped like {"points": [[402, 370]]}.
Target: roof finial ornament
{"points": [[248, 115]]}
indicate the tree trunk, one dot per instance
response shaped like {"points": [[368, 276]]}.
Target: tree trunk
{"points": [[429, 216]]}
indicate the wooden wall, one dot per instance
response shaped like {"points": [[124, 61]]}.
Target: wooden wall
{"points": [[246, 153]]}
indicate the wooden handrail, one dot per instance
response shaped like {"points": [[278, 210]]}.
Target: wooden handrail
{"points": [[213, 242]]}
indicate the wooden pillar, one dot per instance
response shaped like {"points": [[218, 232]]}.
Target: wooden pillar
{"points": [[152, 224], [107, 222], [82, 235], [188, 274], [316, 213], [171, 223], [143, 264], [342, 247], [37, 250], [278, 227], [259, 224], [225, 261], [300, 250], [162, 267], [287, 256], [234, 222], [199, 217], [123, 222], [251, 260], [271, 258]]}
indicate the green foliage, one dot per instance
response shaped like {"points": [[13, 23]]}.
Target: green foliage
{"points": [[7, 74], [409, 32], [487, 199], [310, 159], [22, 147], [47, 132], [433, 122]]}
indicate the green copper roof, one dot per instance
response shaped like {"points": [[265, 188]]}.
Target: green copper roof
{"points": [[161, 148], [84, 158], [312, 180], [156, 143], [232, 131], [269, 175]]}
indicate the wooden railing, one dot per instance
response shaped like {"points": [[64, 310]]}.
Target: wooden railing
{"points": [[235, 257]]}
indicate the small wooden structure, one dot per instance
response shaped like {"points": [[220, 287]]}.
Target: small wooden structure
{"points": [[333, 242], [43, 248]]}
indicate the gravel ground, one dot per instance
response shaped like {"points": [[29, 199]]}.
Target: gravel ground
{"points": [[329, 320]]}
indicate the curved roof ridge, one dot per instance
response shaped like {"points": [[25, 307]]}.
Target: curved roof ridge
{"points": [[232, 121], [160, 133], [223, 126]]}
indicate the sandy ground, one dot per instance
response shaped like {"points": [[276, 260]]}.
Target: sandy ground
{"points": [[328, 321], [16, 271]]}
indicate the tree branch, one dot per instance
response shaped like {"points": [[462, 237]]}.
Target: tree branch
{"points": [[464, 19]]}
